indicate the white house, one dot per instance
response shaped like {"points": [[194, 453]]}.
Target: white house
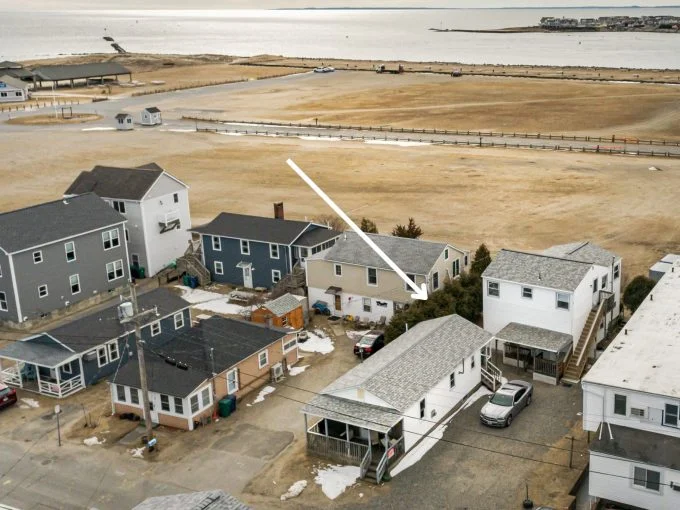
{"points": [[631, 398], [151, 116], [382, 408], [156, 205], [124, 122], [544, 306], [355, 281], [12, 90]]}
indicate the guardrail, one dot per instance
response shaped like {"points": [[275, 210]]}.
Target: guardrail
{"points": [[331, 447], [36, 106]]}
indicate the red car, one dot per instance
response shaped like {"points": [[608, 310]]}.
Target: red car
{"points": [[8, 396]]}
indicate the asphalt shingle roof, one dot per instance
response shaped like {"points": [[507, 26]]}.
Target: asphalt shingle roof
{"points": [[583, 251], [114, 182], [639, 446], [540, 270], [403, 371], [51, 221], [317, 236], [413, 256], [282, 305], [79, 71], [152, 109], [353, 412], [206, 500], [47, 355], [536, 338], [254, 228]]}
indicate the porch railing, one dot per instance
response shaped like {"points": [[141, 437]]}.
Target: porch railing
{"points": [[366, 463], [546, 367], [391, 454], [491, 375], [62, 389], [338, 449], [11, 376]]}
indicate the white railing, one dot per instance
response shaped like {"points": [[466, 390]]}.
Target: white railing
{"points": [[168, 217], [331, 447], [590, 332], [492, 373], [60, 390], [12, 376]]}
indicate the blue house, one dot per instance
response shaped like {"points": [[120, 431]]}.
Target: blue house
{"points": [[252, 251], [76, 355]]}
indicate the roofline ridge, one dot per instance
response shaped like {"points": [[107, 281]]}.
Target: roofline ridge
{"points": [[547, 256], [390, 236], [62, 199]]}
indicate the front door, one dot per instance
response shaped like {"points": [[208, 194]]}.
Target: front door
{"points": [[135, 260], [338, 303], [153, 412], [248, 277]]}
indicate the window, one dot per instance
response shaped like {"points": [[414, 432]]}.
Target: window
{"points": [[422, 409], [604, 282], [595, 287], [66, 369], [179, 406], [456, 267], [289, 345], [338, 269], [110, 239], [216, 243], [205, 397], [74, 282], [563, 301], [452, 380], [42, 291], [527, 292], [446, 254], [175, 198], [372, 274], [0, 271], [284, 321], [114, 270], [617, 271], [274, 251], [219, 267], [465, 260], [194, 404], [245, 247], [670, 416], [304, 252], [620, 405], [276, 276], [119, 206], [179, 320], [232, 381], [367, 304], [102, 358], [70, 249], [435, 281], [647, 478], [156, 328], [134, 396], [37, 257], [472, 361], [113, 351], [120, 393], [411, 277], [492, 289], [165, 403], [127, 235], [263, 359], [3, 302]]}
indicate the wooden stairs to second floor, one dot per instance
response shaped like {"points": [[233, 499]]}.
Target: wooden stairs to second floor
{"points": [[191, 264], [290, 282]]}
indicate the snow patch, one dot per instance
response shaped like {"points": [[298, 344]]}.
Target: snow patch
{"points": [[31, 403], [297, 370], [229, 134], [99, 129], [295, 490], [210, 301], [263, 393], [92, 441], [319, 342], [397, 142], [354, 335], [137, 452], [321, 138], [334, 480]]}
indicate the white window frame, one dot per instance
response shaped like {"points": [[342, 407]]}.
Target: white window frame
{"points": [[112, 237], [276, 276], [219, 267], [41, 295], [38, 257], [617, 271], [120, 388], [273, 251], [625, 413], [102, 349], [135, 392], [77, 277], [558, 301], [529, 294], [117, 266], [677, 415], [244, 243], [194, 400], [205, 397], [337, 270], [289, 345], [153, 328], [261, 365], [605, 281], [66, 250], [472, 362], [643, 486], [446, 254], [67, 368], [119, 205], [366, 307], [232, 381], [181, 405], [167, 402], [111, 348], [175, 198], [3, 302], [216, 243], [455, 267], [489, 290], [178, 318], [411, 277], [368, 276], [435, 280]]}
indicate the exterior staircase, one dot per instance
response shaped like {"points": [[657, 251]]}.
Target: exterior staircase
{"points": [[290, 282], [191, 264]]}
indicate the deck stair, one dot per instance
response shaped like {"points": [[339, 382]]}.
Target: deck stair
{"points": [[191, 264], [290, 282]]}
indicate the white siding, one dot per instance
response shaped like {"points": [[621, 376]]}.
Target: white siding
{"points": [[136, 230]]}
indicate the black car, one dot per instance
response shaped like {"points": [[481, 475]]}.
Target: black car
{"points": [[370, 343]]}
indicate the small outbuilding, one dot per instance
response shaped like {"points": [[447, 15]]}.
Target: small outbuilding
{"points": [[285, 311], [151, 116], [124, 122], [12, 90]]}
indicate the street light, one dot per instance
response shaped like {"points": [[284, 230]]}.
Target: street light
{"points": [[57, 412]]}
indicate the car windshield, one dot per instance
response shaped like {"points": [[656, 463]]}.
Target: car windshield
{"points": [[366, 341], [502, 399], [4, 391]]}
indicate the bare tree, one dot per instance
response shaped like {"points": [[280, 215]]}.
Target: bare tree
{"points": [[330, 220]]}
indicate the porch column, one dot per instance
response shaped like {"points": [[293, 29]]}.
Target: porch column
{"points": [[57, 370], [37, 377], [347, 433], [325, 423], [82, 372], [306, 429]]}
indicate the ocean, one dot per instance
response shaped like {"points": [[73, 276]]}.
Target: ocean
{"points": [[339, 33]]}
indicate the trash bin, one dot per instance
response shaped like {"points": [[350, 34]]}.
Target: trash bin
{"points": [[224, 407], [142, 272], [232, 401], [193, 282], [185, 280]]}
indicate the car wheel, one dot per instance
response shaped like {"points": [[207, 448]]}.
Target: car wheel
{"points": [[508, 421], [529, 400]]}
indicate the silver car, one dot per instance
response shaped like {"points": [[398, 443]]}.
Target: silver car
{"points": [[506, 403]]}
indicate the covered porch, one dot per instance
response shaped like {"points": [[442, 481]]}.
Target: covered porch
{"points": [[50, 370], [354, 433], [541, 351]]}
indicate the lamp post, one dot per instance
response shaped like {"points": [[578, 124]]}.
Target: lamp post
{"points": [[57, 412]]}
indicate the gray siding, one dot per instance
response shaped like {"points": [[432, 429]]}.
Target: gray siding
{"points": [[54, 271], [6, 287]]}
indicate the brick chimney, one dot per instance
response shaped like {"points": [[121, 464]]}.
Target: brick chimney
{"points": [[278, 210]]}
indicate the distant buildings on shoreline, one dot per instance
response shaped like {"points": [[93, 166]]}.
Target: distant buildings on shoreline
{"points": [[613, 23]]}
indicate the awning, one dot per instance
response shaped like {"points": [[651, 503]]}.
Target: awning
{"points": [[242, 264], [355, 413], [334, 290], [535, 338]]}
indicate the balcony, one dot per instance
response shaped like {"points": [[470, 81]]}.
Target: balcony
{"points": [[169, 221]]}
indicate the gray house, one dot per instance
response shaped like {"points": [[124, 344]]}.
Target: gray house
{"points": [[71, 357], [57, 254]]}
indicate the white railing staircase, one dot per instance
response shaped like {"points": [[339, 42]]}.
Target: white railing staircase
{"points": [[190, 263]]}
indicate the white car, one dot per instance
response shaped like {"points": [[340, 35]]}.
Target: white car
{"points": [[325, 69]]}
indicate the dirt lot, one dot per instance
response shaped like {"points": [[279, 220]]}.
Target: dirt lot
{"points": [[49, 119]]}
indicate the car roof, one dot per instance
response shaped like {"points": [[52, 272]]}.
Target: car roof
{"points": [[512, 387]]}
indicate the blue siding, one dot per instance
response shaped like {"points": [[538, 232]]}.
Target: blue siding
{"points": [[230, 255]]}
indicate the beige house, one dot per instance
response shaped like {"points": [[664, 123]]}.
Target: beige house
{"points": [[353, 280], [191, 372]]}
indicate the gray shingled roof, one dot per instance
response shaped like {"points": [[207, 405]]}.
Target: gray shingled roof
{"points": [[583, 251], [540, 270], [120, 116], [254, 228], [536, 338], [115, 182], [412, 364], [79, 71], [316, 236], [411, 255], [51, 221], [282, 305], [7, 64], [638, 445], [350, 411], [152, 109], [206, 500], [13, 81], [46, 355]]}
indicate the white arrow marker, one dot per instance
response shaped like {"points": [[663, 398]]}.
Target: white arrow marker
{"points": [[419, 293]]}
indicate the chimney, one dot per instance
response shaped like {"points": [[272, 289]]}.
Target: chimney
{"points": [[278, 210]]}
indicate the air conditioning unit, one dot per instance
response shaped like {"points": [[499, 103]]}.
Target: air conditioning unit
{"points": [[277, 372], [640, 413], [675, 486]]}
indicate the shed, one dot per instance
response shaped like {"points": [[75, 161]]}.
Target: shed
{"points": [[151, 116], [285, 311], [12, 90], [124, 122]]}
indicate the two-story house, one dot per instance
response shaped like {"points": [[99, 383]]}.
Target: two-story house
{"points": [[56, 254], [156, 205], [253, 251], [542, 307], [354, 280], [73, 356], [631, 400]]}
